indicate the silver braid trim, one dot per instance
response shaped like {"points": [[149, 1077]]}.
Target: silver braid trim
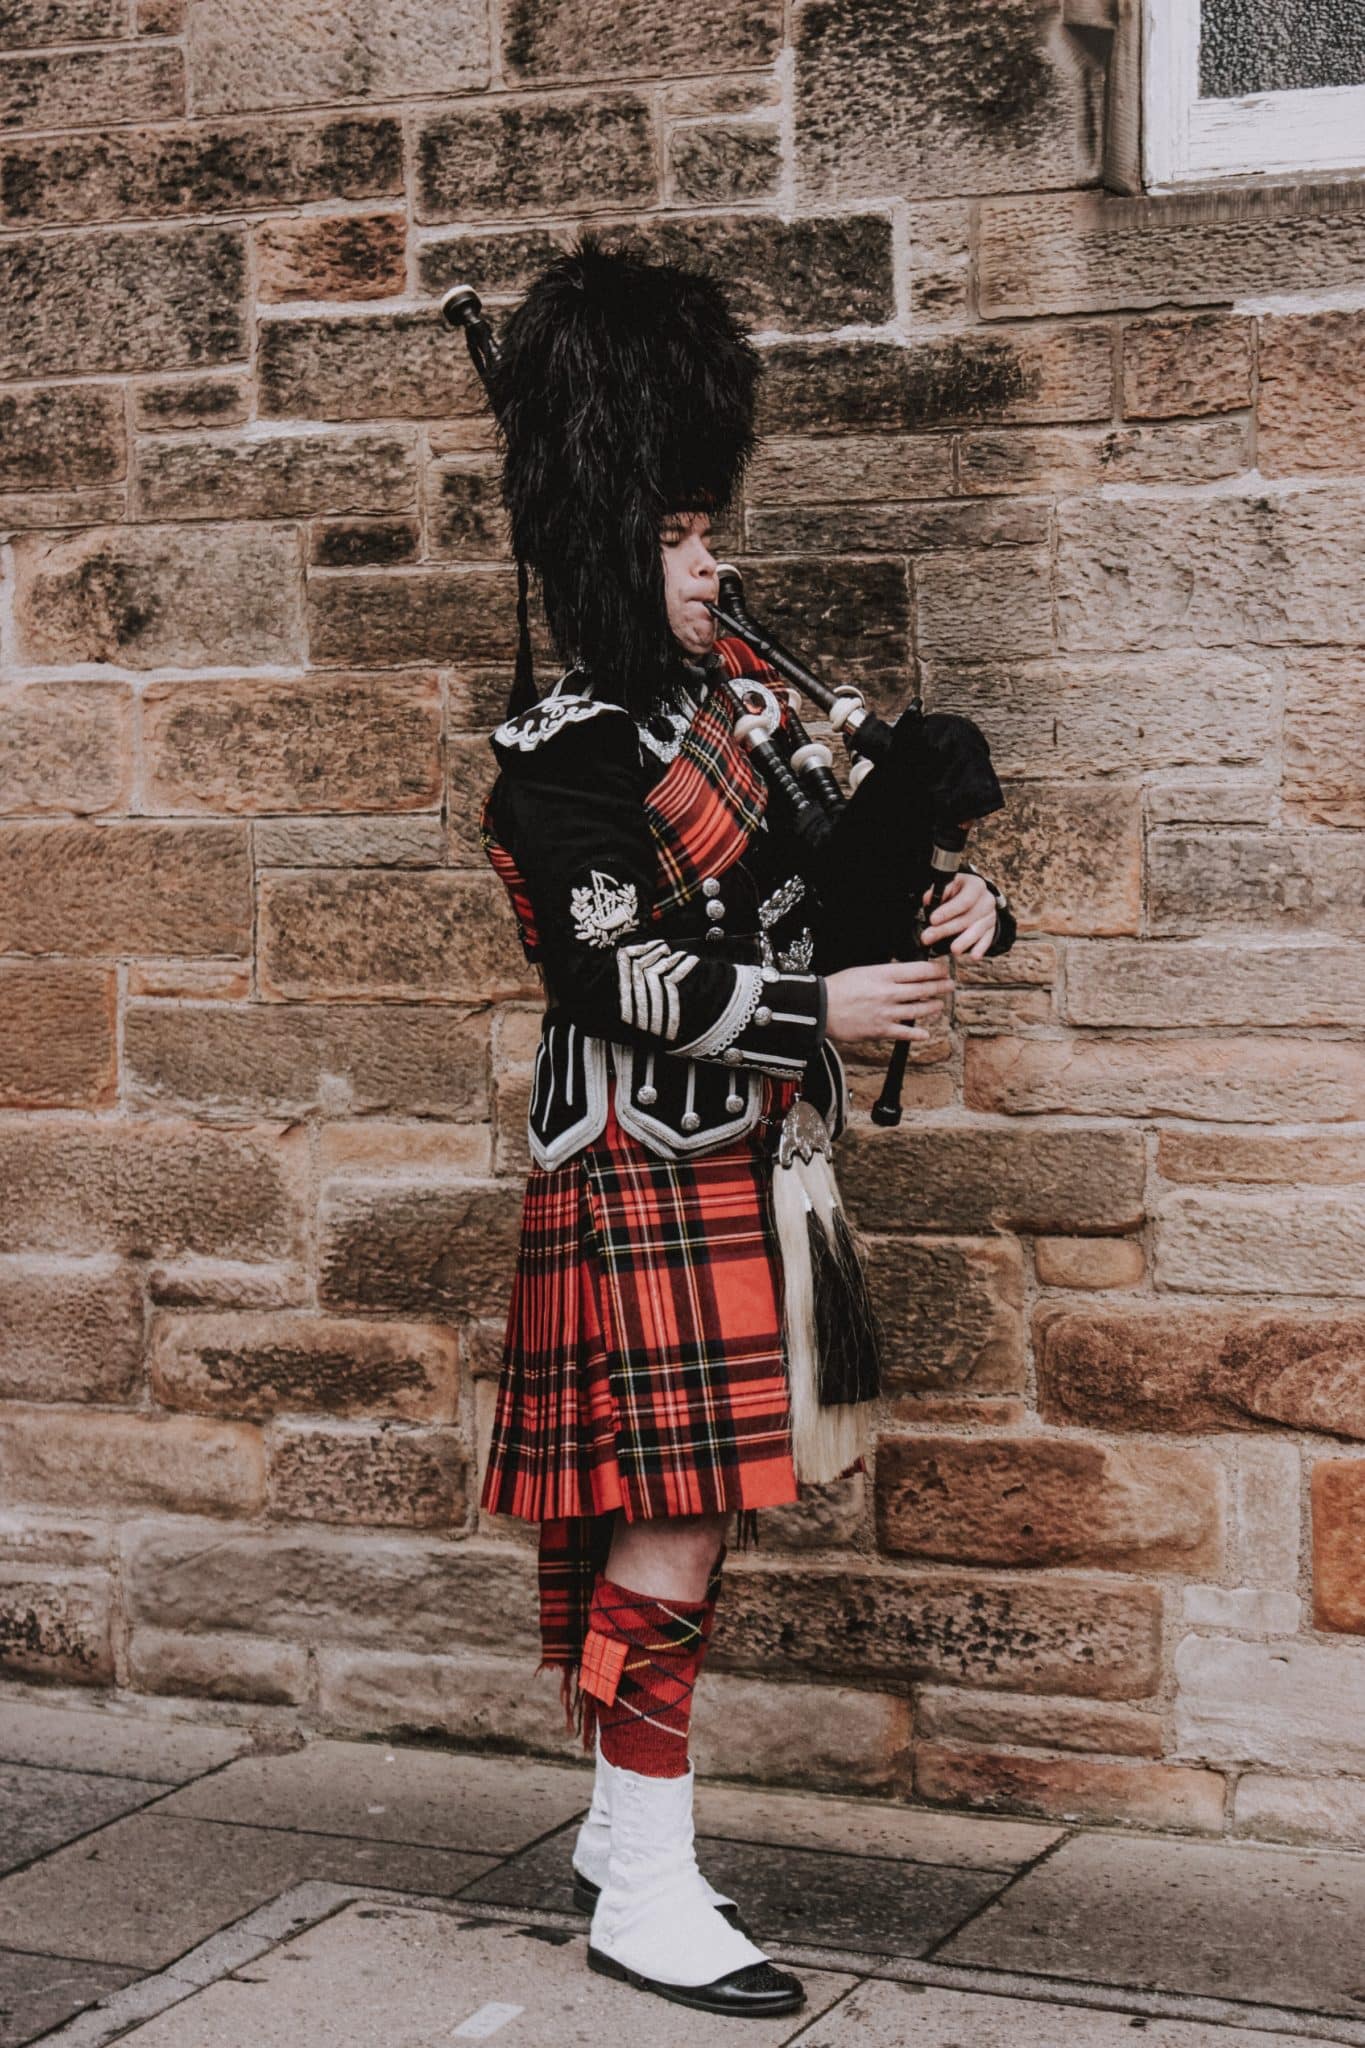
{"points": [[738, 1012]]}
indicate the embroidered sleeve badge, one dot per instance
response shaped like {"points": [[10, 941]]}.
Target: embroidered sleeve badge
{"points": [[604, 910]]}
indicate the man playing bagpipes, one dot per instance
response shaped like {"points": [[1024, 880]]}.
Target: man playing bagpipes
{"points": [[689, 1333]]}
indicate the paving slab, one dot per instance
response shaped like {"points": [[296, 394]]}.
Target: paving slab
{"points": [[39, 1809], [869, 1827], [418, 1979], [1222, 1920], [864, 1905], [921, 2016], [106, 1739], [485, 1805], [145, 1889], [38, 1992]]}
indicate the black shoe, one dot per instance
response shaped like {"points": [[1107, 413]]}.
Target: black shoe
{"points": [[585, 1896], [758, 1991]]}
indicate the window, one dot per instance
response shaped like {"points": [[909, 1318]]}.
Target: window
{"points": [[1246, 88]]}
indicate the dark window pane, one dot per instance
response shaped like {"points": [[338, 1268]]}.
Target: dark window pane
{"points": [[1279, 46]]}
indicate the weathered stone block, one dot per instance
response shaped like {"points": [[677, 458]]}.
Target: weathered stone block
{"points": [[83, 88], [824, 387], [982, 1719], [280, 53], [226, 166], [363, 366], [1286, 1703], [1309, 1810], [1174, 365], [154, 299], [464, 510], [56, 1625], [414, 841], [149, 1188], [363, 543], [792, 276], [320, 743], [1084, 718], [276, 476], [388, 935], [57, 1026], [1310, 413], [1273, 1158], [73, 1330], [177, 1463], [190, 402], [879, 469], [1088, 1262], [1090, 252], [505, 157], [227, 1667], [975, 1177], [1136, 1795], [856, 612], [1048, 1501], [995, 459], [255, 1366], [333, 256], [1222, 571], [344, 1058], [1243, 1080], [418, 1248], [396, 616], [1304, 1242], [992, 524], [1203, 1368], [986, 604], [1177, 452], [406, 1477], [1247, 1609], [323, 1585], [60, 435], [545, 39], [124, 887], [25, 23], [1069, 855], [1339, 1544], [921, 103], [711, 163], [154, 596], [951, 1310], [940, 272], [1068, 1635], [1203, 983], [1324, 738], [1256, 880], [500, 262]]}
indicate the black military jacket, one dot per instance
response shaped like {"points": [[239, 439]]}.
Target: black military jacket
{"points": [[679, 923]]}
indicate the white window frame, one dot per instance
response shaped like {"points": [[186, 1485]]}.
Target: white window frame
{"points": [[1187, 140]]}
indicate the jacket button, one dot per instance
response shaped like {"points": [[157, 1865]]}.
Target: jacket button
{"points": [[732, 1056], [649, 1096], [710, 887], [734, 1103], [690, 1120], [715, 911], [715, 932], [763, 1015]]}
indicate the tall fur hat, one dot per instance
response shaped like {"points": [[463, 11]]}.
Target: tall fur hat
{"points": [[624, 390]]}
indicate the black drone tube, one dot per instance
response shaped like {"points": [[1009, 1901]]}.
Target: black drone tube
{"points": [[949, 844]]}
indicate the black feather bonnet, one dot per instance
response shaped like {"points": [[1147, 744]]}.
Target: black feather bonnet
{"points": [[624, 391]]}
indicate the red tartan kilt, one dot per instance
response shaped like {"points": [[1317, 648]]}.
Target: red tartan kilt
{"points": [[643, 1365]]}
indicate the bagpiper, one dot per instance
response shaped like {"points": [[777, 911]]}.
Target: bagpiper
{"points": [[689, 1335]]}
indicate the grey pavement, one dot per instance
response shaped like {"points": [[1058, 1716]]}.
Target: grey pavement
{"points": [[176, 1885]]}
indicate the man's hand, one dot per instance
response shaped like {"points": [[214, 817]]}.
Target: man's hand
{"points": [[895, 999], [966, 915]]}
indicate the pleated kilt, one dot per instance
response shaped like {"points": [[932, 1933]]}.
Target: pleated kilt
{"points": [[643, 1363]]}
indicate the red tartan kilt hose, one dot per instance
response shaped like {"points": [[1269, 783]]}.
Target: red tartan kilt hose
{"points": [[643, 1365]]}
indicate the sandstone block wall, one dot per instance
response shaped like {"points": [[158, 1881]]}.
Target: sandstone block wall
{"points": [[1091, 469]]}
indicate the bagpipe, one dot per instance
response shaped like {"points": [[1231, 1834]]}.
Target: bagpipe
{"points": [[916, 783]]}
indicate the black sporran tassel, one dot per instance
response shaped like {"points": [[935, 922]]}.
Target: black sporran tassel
{"points": [[846, 1332]]}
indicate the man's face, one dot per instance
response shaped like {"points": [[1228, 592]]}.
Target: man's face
{"points": [[689, 580]]}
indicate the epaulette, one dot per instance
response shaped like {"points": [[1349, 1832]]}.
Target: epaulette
{"points": [[533, 727]]}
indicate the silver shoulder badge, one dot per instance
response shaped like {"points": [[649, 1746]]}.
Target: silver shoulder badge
{"points": [[604, 910], [530, 729]]}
